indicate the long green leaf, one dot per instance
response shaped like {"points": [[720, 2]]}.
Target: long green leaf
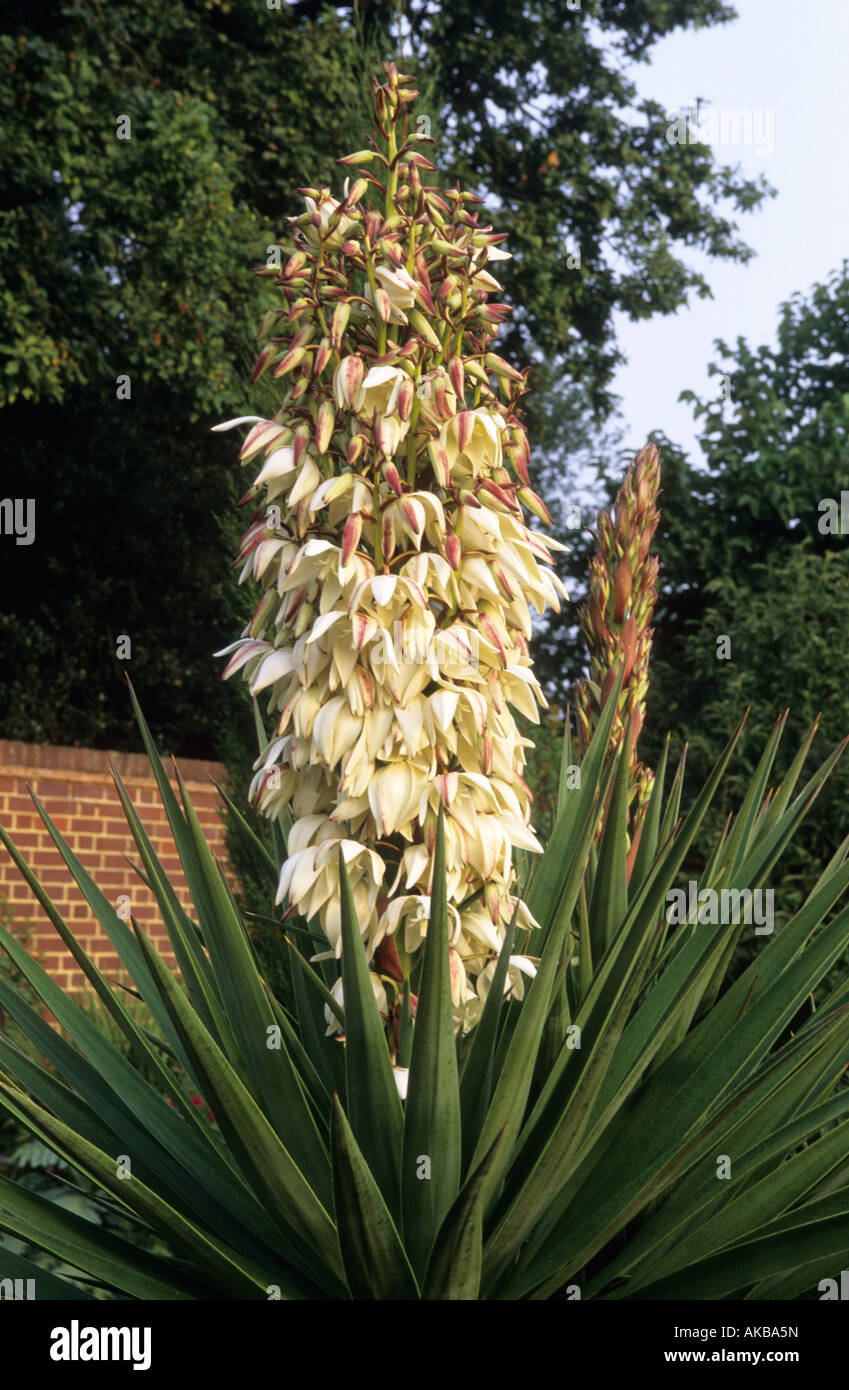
{"points": [[432, 1145]]}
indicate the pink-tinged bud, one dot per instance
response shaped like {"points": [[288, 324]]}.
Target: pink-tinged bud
{"points": [[355, 448], [301, 386], [499, 367], [448, 286], [358, 189], [373, 223], [383, 305], [263, 360], [338, 324], [495, 313], [453, 551], [351, 536], [293, 357], [458, 376], [388, 535], [424, 296], [349, 379], [296, 262], [322, 357], [465, 425], [390, 473], [518, 462], [534, 504], [441, 398], [324, 425], [297, 309], [359, 157], [493, 902], [406, 396], [498, 493], [299, 444], [468, 499], [350, 248], [439, 462]]}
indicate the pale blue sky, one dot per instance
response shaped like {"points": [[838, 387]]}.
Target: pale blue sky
{"points": [[786, 56]]}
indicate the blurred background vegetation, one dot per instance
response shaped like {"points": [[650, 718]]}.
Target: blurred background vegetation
{"points": [[133, 257]]}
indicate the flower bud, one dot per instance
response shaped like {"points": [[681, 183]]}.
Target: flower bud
{"points": [[291, 360], [406, 396], [355, 448], [263, 612], [499, 367], [299, 444], [359, 157], [351, 536], [324, 425], [358, 189], [348, 380], [534, 504], [295, 263], [457, 375], [323, 356], [390, 473], [339, 323]]}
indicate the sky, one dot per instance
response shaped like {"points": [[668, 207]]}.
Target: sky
{"points": [[790, 58]]}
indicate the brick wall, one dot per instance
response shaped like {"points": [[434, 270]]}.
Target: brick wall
{"points": [[76, 788]]}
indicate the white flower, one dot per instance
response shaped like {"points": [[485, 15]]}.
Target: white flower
{"points": [[333, 1024], [400, 290], [325, 210]]}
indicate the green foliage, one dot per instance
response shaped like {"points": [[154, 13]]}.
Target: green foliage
{"points": [[742, 554], [571, 1137], [134, 257]]}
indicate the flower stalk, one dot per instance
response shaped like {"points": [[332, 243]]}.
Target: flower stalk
{"points": [[615, 622], [396, 567]]}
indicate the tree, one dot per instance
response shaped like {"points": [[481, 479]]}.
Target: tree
{"points": [[150, 156], [749, 553]]}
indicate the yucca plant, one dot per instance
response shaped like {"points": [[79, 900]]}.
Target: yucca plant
{"points": [[611, 1119], [500, 1176]]}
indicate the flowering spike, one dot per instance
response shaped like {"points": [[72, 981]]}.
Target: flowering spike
{"points": [[391, 630]]}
